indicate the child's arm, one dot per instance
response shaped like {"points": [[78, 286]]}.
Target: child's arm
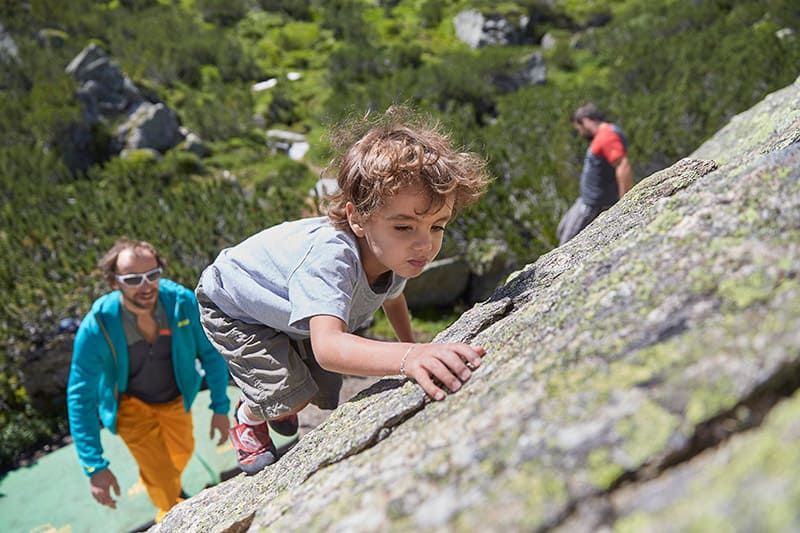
{"points": [[397, 312], [345, 353]]}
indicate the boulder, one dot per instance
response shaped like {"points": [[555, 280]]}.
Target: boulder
{"points": [[469, 27], [324, 188], [298, 150], [194, 144], [8, 47], [478, 29], [644, 376], [315, 202], [292, 144], [785, 34], [105, 91], [153, 126], [532, 71], [264, 85], [110, 98], [51, 38], [442, 283], [490, 262], [548, 41]]}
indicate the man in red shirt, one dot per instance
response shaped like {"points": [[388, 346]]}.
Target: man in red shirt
{"points": [[606, 174]]}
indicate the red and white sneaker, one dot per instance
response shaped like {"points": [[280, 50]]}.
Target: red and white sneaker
{"points": [[285, 425], [253, 445]]}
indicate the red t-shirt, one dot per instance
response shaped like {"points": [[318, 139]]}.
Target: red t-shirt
{"points": [[607, 144]]}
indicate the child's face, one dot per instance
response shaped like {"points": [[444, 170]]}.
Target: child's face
{"points": [[400, 236]]}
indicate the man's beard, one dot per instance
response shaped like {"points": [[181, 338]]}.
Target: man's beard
{"points": [[136, 305]]}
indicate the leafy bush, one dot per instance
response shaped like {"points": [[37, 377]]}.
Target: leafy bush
{"points": [[296, 9], [218, 111], [222, 12]]}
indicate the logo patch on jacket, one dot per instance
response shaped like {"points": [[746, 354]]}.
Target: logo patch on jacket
{"points": [[183, 323]]}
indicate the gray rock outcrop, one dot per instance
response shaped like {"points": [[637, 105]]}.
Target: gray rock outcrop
{"points": [[292, 144], [644, 376], [109, 96], [478, 29], [105, 91], [548, 41], [532, 71], [442, 283], [8, 47], [151, 126]]}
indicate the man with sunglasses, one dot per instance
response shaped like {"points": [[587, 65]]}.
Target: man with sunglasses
{"points": [[134, 364]]}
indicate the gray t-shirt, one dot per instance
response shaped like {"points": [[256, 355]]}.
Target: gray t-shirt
{"points": [[286, 274], [151, 377]]}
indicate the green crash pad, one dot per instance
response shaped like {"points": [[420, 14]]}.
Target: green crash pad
{"points": [[52, 494]]}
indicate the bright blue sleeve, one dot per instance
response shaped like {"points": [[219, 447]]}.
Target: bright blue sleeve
{"points": [[84, 376]]}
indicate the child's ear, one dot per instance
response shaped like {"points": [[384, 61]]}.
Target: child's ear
{"points": [[354, 219]]}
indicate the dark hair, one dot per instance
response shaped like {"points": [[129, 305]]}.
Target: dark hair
{"points": [[588, 110], [400, 149], [108, 263]]}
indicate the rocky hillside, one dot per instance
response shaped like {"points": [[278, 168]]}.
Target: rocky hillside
{"points": [[95, 94], [641, 377]]}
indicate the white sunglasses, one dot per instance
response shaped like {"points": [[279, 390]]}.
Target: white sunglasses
{"points": [[136, 280]]}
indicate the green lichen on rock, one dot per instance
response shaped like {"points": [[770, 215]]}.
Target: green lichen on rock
{"points": [[707, 402], [749, 484], [743, 292], [602, 470], [646, 432]]}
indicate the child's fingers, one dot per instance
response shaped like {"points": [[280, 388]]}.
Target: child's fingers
{"points": [[430, 388], [470, 354], [455, 363], [439, 370]]}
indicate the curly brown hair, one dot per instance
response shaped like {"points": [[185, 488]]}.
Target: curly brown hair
{"points": [[400, 149], [108, 263]]}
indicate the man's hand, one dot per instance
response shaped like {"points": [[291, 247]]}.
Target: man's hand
{"points": [[101, 484], [221, 424], [449, 364]]}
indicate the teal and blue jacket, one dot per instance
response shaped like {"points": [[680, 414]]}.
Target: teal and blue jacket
{"points": [[99, 370]]}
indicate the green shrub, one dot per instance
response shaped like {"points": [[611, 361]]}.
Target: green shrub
{"points": [[431, 12], [299, 36], [222, 12], [296, 9], [25, 430], [219, 111]]}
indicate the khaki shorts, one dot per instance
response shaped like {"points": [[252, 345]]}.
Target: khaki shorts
{"points": [[275, 373]]}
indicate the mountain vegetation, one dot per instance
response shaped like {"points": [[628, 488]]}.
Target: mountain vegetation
{"points": [[670, 72]]}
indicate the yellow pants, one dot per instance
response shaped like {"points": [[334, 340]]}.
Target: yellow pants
{"points": [[160, 438]]}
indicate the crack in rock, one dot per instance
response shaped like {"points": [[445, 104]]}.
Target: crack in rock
{"points": [[465, 329], [597, 511], [376, 436]]}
